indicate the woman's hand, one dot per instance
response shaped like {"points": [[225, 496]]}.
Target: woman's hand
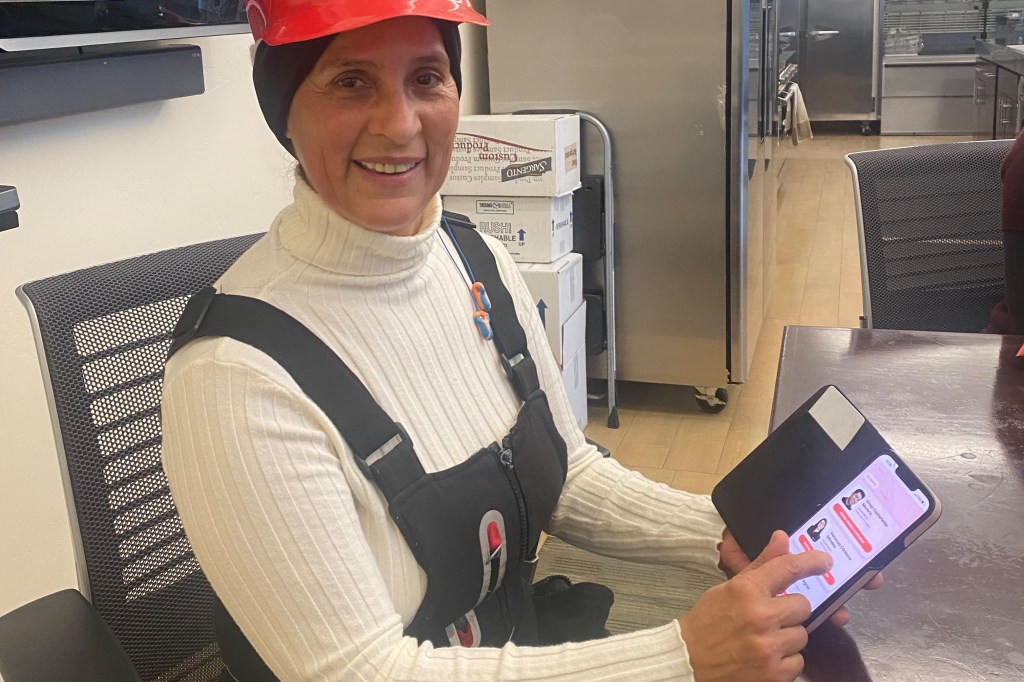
{"points": [[740, 630], [732, 560]]}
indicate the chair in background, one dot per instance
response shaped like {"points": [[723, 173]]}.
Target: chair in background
{"points": [[102, 335], [930, 239]]}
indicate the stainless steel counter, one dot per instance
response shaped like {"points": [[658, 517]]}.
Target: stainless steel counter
{"points": [[1010, 58], [928, 94], [928, 60], [1005, 91]]}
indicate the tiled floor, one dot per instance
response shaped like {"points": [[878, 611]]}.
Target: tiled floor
{"points": [[815, 281]]}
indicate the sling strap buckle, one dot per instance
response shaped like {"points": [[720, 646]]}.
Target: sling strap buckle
{"points": [[191, 318], [389, 446], [522, 372]]}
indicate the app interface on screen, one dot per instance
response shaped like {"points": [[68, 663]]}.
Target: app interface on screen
{"points": [[856, 525]]}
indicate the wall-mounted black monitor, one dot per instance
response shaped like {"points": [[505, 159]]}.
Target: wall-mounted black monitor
{"points": [[29, 25]]}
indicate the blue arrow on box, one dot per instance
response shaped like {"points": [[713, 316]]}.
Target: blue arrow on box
{"points": [[541, 307]]}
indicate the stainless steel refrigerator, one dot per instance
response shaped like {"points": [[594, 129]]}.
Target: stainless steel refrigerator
{"points": [[838, 43], [687, 91]]}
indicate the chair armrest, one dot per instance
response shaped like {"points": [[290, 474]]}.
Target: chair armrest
{"points": [[61, 637]]}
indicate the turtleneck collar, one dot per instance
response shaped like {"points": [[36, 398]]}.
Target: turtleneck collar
{"points": [[312, 232]]}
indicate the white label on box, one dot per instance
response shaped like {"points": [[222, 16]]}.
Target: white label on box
{"points": [[571, 157], [495, 207]]}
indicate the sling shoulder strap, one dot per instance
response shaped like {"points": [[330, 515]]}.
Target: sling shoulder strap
{"points": [[382, 447], [509, 337]]}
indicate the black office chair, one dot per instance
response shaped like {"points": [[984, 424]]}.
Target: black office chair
{"points": [[102, 335], [930, 239]]}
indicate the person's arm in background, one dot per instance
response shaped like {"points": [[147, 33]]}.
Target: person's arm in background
{"points": [[1013, 255], [1013, 232]]}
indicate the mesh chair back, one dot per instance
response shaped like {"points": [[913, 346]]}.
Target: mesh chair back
{"points": [[930, 237], [103, 334]]}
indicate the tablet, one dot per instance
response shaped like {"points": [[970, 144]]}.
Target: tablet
{"points": [[829, 479]]}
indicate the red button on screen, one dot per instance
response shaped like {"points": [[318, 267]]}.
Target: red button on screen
{"points": [[852, 527]]}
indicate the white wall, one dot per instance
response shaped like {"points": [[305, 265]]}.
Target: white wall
{"points": [[99, 187], [109, 185], [476, 96]]}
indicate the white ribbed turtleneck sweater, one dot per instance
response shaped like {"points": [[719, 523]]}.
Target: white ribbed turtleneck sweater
{"points": [[293, 538]]}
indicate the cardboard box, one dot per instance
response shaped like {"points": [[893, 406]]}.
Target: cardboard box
{"points": [[533, 229], [574, 376], [557, 290], [574, 333], [510, 155]]}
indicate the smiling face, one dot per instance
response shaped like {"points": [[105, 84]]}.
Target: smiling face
{"points": [[374, 122]]}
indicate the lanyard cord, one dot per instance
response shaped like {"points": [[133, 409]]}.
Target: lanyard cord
{"points": [[477, 292], [462, 256]]}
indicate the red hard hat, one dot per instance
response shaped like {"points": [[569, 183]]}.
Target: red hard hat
{"points": [[277, 22]]}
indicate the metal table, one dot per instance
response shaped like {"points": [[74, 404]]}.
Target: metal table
{"points": [[952, 405]]}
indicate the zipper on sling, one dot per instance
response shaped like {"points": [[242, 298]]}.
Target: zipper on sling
{"points": [[513, 480]]}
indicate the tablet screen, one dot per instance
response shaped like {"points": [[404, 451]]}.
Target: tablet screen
{"points": [[857, 524]]}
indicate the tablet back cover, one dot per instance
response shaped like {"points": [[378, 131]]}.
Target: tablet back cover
{"points": [[796, 469]]}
